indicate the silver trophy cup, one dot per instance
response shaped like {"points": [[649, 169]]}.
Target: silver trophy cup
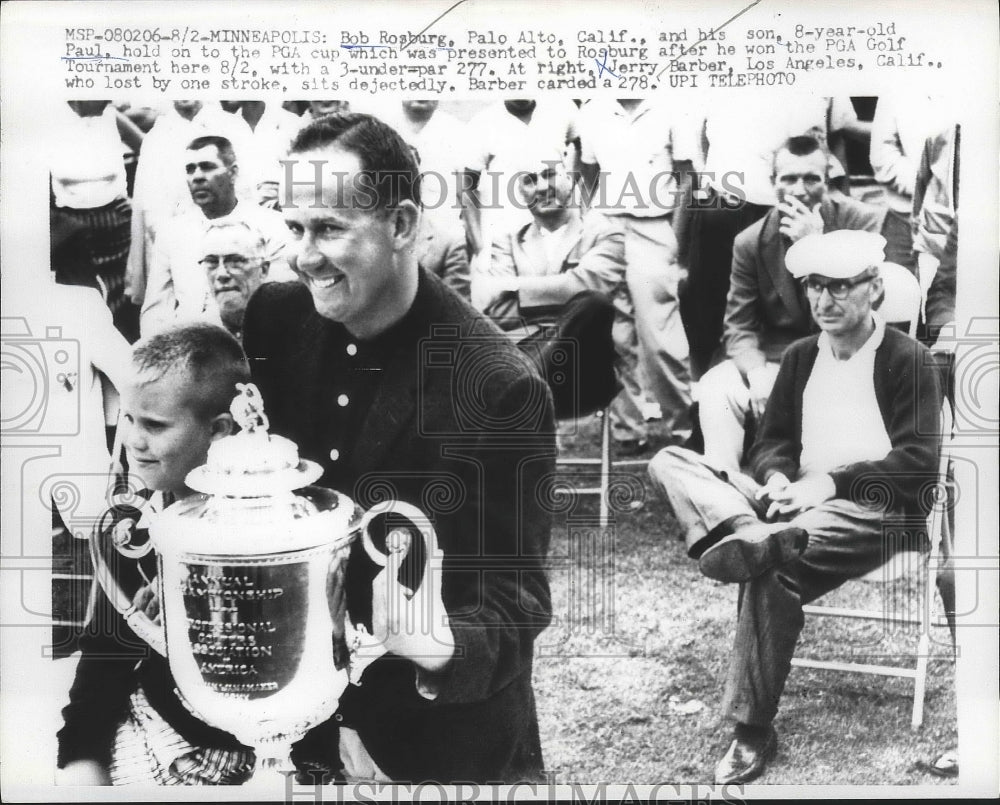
{"points": [[251, 585]]}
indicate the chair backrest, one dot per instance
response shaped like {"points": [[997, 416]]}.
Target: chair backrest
{"points": [[902, 296], [937, 521]]}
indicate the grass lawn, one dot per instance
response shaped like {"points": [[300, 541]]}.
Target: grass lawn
{"points": [[629, 677]]}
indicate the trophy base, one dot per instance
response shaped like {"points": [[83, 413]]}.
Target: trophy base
{"points": [[273, 766]]}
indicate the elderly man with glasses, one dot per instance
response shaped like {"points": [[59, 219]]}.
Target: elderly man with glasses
{"points": [[765, 309], [234, 261], [847, 443]]}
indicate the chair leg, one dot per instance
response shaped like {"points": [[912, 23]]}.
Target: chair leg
{"points": [[924, 641], [920, 680], [605, 465]]}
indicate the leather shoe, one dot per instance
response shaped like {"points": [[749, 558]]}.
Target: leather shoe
{"points": [[750, 551], [747, 758]]}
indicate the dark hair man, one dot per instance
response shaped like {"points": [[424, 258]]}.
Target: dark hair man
{"points": [[385, 377]]}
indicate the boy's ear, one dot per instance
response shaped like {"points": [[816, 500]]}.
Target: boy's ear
{"points": [[222, 425]]}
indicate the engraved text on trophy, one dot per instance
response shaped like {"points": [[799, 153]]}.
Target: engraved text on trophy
{"points": [[246, 625]]}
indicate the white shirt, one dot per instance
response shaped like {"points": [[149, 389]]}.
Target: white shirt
{"points": [[270, 139], [743, 137], [636, 152], [899, 131], [501, 145], [841, 421], [178, 288], [442, 144], [56, 349], [86, 160], [161, 190]]}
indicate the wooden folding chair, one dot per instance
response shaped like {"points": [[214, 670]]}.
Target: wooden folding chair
{"points": [[938, 530]]}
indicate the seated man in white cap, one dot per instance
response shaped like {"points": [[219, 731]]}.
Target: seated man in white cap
{"points": [[765, 309], [848, 440]]}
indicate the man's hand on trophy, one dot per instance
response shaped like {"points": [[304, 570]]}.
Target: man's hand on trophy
{"points": [[147, 601], [411, 624]]}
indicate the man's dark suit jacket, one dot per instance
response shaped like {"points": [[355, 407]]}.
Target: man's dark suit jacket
{"points": [[764, 310], [462, 427], [443, 253]]}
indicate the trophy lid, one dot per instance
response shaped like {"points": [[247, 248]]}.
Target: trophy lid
{"points": [[252, 463]]}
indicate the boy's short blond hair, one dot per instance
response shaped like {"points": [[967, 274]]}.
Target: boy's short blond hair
{"points": [[211, 356]]}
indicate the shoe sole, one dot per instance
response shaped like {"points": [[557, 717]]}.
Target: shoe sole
{"points": [[736, 560]]}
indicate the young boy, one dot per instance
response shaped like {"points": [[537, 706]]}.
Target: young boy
{"points": [[124, 723]]}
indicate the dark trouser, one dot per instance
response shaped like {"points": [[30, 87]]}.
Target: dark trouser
{"points": [[846, 541], [90, 248], [576, 355], [899, 239], [707, 252]]}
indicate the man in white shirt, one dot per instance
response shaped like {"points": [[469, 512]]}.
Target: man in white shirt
{"points": [[498, 137], [178, 288], [272, 131], [848, 444], [160, 193], [540, 273], [441, 143], [234, 260], [899, 130], [629, 148]]}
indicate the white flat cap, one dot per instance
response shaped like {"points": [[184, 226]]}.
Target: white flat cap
{"points": [[838, 255]]}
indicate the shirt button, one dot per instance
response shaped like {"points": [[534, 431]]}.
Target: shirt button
{"points": [[334, 454], [352, 349], [342, 400]]}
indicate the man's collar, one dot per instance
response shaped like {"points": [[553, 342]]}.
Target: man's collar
{"points": [[235, 214], [872, 343], [407, 327], [572, 222]]}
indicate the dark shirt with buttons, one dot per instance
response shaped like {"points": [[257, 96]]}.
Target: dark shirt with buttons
{"points": [[354, 373]]}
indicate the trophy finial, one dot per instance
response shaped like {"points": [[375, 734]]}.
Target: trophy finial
{"points": [[247, 409], [253, 462]]}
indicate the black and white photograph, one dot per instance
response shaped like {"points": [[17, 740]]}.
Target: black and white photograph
{"points": [[505, 401]]}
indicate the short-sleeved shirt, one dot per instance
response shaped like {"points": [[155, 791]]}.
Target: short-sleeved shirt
{"points": [[177, 288], [636, 152], [85, 160], [444, 149], [501, 145], [743, 140]]}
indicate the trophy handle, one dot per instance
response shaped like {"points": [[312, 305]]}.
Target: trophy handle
{"points": [[389, 513], [105, 542]]}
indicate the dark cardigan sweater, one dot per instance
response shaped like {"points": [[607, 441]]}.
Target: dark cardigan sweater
{"points": [[909, 398]]}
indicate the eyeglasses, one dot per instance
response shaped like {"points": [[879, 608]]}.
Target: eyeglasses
{"points": [[838, 289], [231, 262]]}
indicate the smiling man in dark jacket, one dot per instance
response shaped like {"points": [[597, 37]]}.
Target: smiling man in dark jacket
{"points": [[400, 389]]}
